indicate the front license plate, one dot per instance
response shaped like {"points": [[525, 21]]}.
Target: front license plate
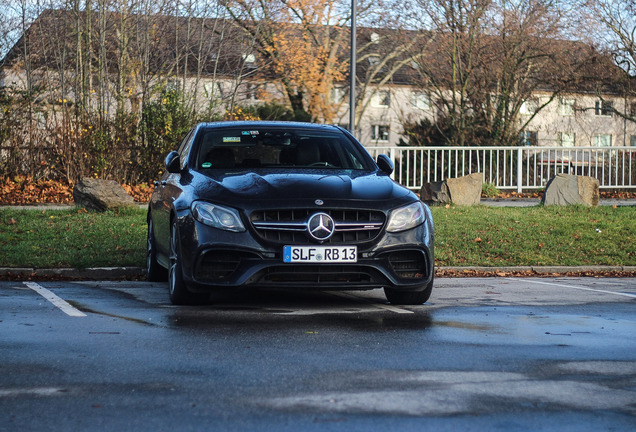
{"points": [[316, 254]]}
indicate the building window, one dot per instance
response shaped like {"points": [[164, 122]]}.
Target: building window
{"points": [[249, 61], [381, 99], [604, 108], [249, 58], [529, 138], [566, 107], [40, 117], [632, 140], [208, 89], [632, 109], [374, 60], [421, 101], [173, 85], [338, 95], [379, 133], [529, 107], [213, 90], [252, 92], [602, 140], [566, 139]]}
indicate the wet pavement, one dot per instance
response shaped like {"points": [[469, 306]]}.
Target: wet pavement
{"points": [[505, 354]]}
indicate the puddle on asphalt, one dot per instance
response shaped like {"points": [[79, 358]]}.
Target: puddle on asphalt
{"points": [[521, 326], [282, 320], [463, 325]]}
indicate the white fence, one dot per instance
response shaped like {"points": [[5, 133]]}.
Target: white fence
{"points": [[517, 168]]}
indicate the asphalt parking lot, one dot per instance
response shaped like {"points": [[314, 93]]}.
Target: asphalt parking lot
{"points": [[482, 354]]}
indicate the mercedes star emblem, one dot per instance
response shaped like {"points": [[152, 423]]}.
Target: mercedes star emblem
{"points": [[321, 226]]}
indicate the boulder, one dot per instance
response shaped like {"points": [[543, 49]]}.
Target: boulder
{"points": [[100, 195], [567, 189], [464, 190], [435, 193]]}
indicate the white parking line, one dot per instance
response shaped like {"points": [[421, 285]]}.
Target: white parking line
{"points": [[55, 300], [578, 287], [38, 391]]}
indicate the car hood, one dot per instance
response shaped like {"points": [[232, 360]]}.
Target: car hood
{"points": [[276, 188]]}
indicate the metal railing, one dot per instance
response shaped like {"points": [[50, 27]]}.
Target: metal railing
{"points": [[516, 168]]}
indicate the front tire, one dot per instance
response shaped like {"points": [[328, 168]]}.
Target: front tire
{"points": [[409, 298], [178, 290]]}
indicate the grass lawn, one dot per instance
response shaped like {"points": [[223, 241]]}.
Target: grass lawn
{"points": [[72, 238], [464, 236], [537, 236]]}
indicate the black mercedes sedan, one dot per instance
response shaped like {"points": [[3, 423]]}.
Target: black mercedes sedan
{"points": [[285, 205]]}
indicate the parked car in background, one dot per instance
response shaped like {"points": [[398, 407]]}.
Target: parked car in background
{"points": [[285, 205]]}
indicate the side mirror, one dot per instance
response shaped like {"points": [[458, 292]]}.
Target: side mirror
{"points": [[173, 162], [385, 164]]}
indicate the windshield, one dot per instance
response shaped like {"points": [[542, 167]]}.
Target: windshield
{"points": [[230, 148]]}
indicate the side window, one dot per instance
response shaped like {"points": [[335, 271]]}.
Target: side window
{"points": [[184, 147]]}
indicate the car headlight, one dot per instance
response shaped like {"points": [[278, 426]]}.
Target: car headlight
{"points": [[217, 216], [406, 217]]}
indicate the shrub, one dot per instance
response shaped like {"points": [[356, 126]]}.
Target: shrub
{"points": [[489, 190], [164, 122]]}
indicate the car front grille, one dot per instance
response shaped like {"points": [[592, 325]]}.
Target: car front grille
{"points": [[290, 226]]}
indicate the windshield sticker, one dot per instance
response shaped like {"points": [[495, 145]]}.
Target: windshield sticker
{"points": [[231, 139], [251, 133]]}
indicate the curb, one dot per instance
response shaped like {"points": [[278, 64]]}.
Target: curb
{"points": [[137, 273], [542, 269], [96, 273]]}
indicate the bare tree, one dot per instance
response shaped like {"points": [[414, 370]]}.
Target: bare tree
{"points": [[525, 54], [612, 24], [447, 65], [486, 58]]}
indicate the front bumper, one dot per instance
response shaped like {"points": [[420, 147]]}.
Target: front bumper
{"points": [[216, 259]]}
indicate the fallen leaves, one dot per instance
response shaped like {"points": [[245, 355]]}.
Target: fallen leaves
{"points": [[539, 194], [140, 192], [22, 190], [25, 190]]}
